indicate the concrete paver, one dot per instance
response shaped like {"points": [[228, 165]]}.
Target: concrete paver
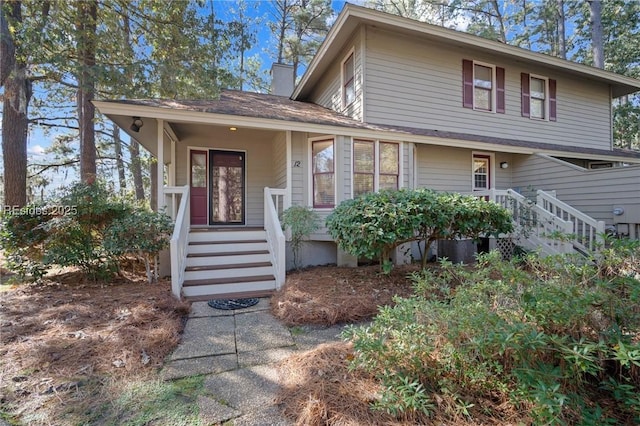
{"points": [[238, 352]]}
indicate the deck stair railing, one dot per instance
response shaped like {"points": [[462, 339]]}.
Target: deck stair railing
{"points": [[273, 204], [539, 223], [586, 232], [180, 239]]}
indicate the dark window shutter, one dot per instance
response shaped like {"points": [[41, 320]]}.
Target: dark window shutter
{"points": [[553, 105], [500, 99], [467, 83], [526, 104]]}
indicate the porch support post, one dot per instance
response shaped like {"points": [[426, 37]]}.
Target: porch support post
{"points": [[172, 167], [160, 170], [287, 195]]}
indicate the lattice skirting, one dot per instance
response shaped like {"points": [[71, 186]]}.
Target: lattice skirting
{"points": [[506, 247]]}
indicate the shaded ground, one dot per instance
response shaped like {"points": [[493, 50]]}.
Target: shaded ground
{"points": [[330, 295], [68, 340]]}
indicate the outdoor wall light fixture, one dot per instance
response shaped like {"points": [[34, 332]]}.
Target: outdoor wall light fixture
{"points": [[504, 165], [233, 129], [136, 124]]}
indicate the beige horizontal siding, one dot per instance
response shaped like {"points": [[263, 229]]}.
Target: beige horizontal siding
{"points": [[416, 83], [328, 91], [594, 192]]}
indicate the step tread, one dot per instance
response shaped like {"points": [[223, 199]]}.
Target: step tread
{"points": [[202, 243], [232, 280], [228, 266], [228, 253], [236, 295]]}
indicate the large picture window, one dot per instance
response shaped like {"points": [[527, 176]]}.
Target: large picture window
{"points": [[376, 165], [323, 168]]}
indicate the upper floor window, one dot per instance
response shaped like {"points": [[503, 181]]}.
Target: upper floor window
{"points": [[323, 171], [483, 86], [376, 165], [348, 81], [538, 97]]}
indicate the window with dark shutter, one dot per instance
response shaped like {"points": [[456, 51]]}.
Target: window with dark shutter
{"points": [[526, 97]]}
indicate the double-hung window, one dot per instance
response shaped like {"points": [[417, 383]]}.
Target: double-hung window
{"points": [[323, 170], [538, 97], [348, 81], [376, 165], [483, 86]]}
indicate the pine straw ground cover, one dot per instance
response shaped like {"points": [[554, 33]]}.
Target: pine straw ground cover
{"points": [[70, 346], [317, 386], [328, 295]]}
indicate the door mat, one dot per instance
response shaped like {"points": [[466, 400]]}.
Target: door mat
{"points": [[229, 304]]}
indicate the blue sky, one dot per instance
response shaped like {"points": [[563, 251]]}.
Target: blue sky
{"points": [[265, 46]]}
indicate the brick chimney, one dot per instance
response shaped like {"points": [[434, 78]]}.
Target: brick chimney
{"points": [[282, 80]]}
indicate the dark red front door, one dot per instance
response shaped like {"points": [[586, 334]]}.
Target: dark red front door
{"points": [[198, 190]]}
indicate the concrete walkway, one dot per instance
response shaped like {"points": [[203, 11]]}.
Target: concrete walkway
{"points": [[237, 351]]}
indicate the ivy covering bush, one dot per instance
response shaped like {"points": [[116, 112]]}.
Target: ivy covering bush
{"points": [[373, 225], [80, 228], [556, 337]]}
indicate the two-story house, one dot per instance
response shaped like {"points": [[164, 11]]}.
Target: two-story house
{"points": [[387, 102]]}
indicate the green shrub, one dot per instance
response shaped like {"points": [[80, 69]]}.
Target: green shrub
{"points": [[70, 231], [373, 225], [552, 336], [142, 233], [302, 222]]}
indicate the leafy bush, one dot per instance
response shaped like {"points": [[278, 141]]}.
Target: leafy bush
{"points": [[372, 225], [144, 234], [302, 222], [553, 336], [71, 230]]}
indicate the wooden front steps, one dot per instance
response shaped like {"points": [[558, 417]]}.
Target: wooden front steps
{"points": [[228, 263]]}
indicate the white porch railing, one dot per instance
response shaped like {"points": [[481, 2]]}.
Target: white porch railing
{"points": [[180, 239], [273, 203], [587, 233], [534, 227]]}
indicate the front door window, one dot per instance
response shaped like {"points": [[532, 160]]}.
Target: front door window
{"points": [[227, 187]]}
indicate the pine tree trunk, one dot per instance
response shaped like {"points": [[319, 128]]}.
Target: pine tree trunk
{"points": [[597, 44], [117, 143], [87, 13], [562, 37], [136, 169], [15, 122]]}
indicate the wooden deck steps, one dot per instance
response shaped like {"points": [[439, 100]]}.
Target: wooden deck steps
{"points": [[225, 263]]}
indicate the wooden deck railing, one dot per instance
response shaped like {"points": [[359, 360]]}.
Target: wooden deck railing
{"points": [[586, 232], [180, 239], [273, 203], [534, 227]]}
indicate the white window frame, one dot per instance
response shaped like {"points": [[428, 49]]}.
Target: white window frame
{"points": [[376, 162], [311, 200], [494, 88], [546, 97], [492, 170], [343, 81]]}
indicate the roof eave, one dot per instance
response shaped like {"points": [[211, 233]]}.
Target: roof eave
{"points": [[351, 16]]}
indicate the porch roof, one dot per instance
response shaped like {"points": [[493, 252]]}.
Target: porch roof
{"points": [[281, 113]]}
